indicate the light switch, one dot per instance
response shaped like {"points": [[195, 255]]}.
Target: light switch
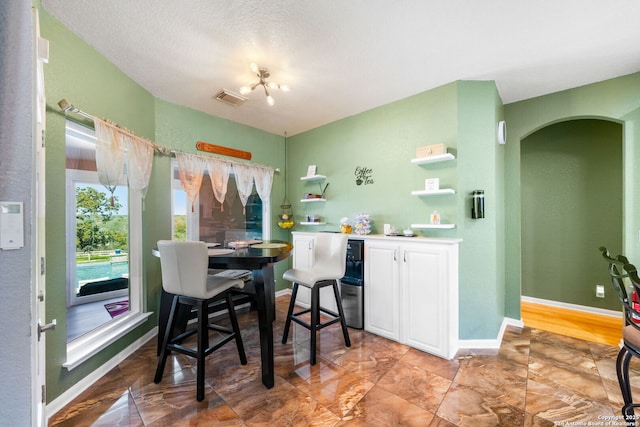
{"points": [[11, 225]]}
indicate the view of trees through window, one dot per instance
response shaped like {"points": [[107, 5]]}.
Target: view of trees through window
{"points": [[98, 225], [179, 212], [102, 238]]}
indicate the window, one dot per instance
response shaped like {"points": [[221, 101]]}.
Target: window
{"points": [[104, 253], [213, 223]]}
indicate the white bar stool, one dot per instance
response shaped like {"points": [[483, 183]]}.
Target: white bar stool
{"points": [[330, 262], [184, 274]]}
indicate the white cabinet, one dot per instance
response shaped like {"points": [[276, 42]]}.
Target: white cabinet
{"points": [[303, 259], [429, 303], [381, 289], [411, 293]]}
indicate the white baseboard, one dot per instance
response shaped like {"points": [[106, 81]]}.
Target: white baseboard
{"points": [[74, 391], [286, 291], [576, 307], [492, 343]]}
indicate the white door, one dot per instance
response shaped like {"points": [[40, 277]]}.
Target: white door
{"points": [[38, 237], [382, 289]]}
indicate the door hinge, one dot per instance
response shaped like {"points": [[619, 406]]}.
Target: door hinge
{"points": [[42, 266], [44, 393]]}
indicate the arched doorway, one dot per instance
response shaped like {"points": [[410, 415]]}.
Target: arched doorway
{"points": [[571, 187]]}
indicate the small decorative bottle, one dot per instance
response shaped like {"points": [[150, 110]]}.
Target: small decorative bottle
{"points": [[435, 218]]}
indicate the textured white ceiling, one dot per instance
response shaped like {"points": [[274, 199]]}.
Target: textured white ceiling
{"points": [[344, 57]]}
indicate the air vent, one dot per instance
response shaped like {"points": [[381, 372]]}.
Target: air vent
{"points": [[230, 98]]}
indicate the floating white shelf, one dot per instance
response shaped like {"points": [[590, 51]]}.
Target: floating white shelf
{"points": [[312, 200], [433, 159], [312, 223], [433, 225], [433, 193], [313, 178]]}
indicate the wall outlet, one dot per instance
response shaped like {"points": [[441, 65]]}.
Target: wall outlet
{"points": [[599, 291]]}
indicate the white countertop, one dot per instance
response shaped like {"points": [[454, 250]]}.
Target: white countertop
{"points": [[414, 239]]}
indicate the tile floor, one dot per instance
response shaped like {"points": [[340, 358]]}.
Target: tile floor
{"points": [[537, 378]]}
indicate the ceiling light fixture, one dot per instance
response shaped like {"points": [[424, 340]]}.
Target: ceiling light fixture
{"points": [[263, 74]]}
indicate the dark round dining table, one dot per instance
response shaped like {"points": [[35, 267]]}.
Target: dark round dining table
{"points": [[260, 259]]}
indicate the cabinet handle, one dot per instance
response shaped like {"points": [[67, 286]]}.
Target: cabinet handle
{"points": [[404, 256], [395, 255]]}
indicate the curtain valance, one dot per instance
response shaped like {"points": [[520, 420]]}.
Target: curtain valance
{"points": [[120, 154], [191, 169]]}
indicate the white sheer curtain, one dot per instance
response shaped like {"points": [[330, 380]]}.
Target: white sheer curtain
{"points": [[232, 195], [244, 181], [109, 156], [139, 163], [263, 178], [219, 173], [191, 169], [114, 148]]}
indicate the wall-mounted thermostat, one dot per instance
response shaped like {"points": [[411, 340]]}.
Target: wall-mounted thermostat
{"points": [[11, 225]]}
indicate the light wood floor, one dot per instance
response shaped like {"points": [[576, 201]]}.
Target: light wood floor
{"points": [[577, 324]]}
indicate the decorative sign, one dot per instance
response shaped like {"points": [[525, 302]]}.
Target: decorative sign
{"points": [[225, 151], [364, 175]]}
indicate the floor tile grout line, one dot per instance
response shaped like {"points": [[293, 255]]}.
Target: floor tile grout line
{"points": [[595, 354]]}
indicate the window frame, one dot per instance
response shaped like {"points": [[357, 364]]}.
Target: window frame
{"points": [[82, 348]]}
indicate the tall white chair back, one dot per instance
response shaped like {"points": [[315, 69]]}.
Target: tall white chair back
{"points": [[184, 267], [330, 250]]}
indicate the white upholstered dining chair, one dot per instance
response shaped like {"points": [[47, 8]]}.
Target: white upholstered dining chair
{"points": [[185, 275]]}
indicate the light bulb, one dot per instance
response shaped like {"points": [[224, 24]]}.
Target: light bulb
{"points": [[254, 67], [284, 88], [244, 90], [270, 100], [272, 85]]}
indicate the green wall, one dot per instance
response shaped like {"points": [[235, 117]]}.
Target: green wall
{"points": [[616, 100], [571, 205], [86, 79], [383, 140], [480, 167], [462, 115], [181, 128], [81, 75]]}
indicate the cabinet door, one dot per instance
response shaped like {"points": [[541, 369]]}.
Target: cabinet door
{"points": [[303, 259], [381, 289], [425, 304]]}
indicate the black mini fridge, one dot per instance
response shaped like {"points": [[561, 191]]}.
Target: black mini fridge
{"points": [[352, 285]]}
